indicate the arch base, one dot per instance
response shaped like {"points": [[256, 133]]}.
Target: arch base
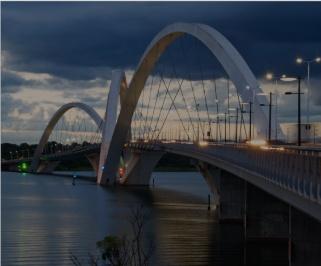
{"points": [[47, 167], [140, 166], [212, 176], [93, 159]]}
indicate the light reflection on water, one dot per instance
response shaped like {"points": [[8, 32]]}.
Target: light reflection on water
{"points": [[44, 218]]}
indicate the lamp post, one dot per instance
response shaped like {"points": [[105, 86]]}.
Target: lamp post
{"points": [[218, 120], [250, 119], [198, 125], [288, 79], [225, 127], [270, 114], [251, 113], [228, 109], [236, 120], [301, 61], [270, 76], [250, 116]]}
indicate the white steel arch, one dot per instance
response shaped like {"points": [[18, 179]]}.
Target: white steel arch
{"points": [[54, 120], [118, 87], [222, 49]]}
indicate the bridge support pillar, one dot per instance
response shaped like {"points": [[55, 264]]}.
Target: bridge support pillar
{"points": [[267, 216], [267, 229], [232, 197], [11, 168], [274, 227], [211, 175], [47, 166], [228, 191], [305, 236], [94, 161], [140, 166]]}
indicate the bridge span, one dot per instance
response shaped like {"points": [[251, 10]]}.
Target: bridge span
{"points": [[292, 175], [286, 174]]}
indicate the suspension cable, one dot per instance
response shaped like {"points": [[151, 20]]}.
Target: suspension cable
{"points": [[141, 111], [241, 110], [184, 99], [218, 127], [151, 120], [203, 86], [172, 104], [162, 106], [194, 97], [150, 92], [228, 108]]}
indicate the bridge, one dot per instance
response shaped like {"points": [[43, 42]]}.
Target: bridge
{"points": [[274, 190]]}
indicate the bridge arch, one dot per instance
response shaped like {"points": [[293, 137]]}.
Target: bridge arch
{"points": [[54, 120], [235, 66]]}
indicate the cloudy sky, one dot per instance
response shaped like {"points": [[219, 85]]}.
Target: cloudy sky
{"points": [[54, 53]]}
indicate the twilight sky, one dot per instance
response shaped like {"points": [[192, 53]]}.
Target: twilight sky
{"points": [[54, 53]]}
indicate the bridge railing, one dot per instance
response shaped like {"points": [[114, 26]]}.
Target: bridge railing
{"points": [[299, 172]]}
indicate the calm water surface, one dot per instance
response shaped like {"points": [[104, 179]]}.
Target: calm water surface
{"points": [[45, 218]]}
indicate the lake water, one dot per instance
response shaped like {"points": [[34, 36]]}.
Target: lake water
{"points": [[45, 219]]}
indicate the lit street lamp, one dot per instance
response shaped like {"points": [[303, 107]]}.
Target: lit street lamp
{"points": [[300, 61], [289, 79], [271, 77]]}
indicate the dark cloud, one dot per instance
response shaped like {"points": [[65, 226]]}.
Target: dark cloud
{"points": [[79, 43], [74, 40], [73, 87], [11, 82], [9, 104]]}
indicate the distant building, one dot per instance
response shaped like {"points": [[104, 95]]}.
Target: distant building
{"points": [[309, 132]]}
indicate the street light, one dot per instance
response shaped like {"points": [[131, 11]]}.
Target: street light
{"points": [[270, 114], [225, 127], [271, 77], [290, 79], [198, 125], [236, 120], [300, 61], [250, 114], [218, 120]]}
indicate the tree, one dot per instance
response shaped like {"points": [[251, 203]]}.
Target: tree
{"points": [[125, 250]]}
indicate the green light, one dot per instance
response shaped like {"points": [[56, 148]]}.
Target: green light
{"points": [[23, 167]]}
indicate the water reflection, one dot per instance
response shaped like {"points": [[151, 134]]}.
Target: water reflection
{"points": [[44, 218]]}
